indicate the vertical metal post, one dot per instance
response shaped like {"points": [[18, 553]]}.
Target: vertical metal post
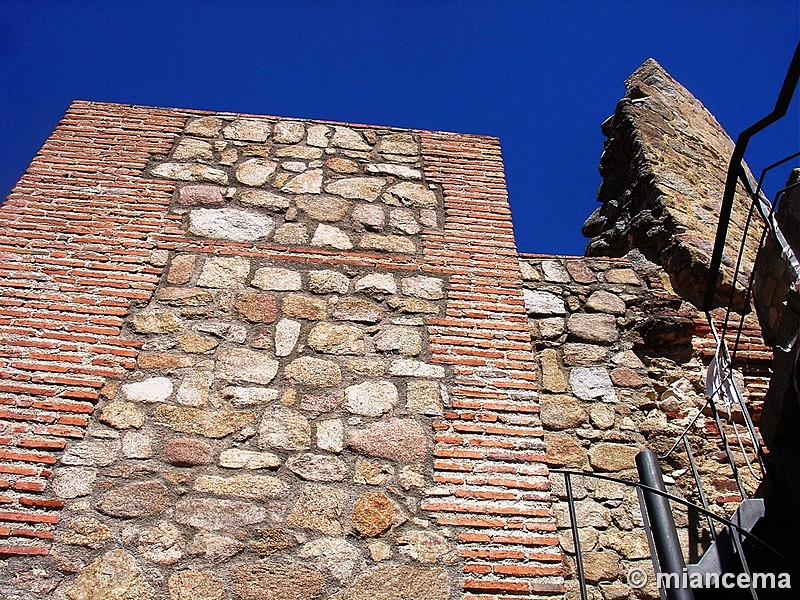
{"points": [[573, 520], [665, 535]]}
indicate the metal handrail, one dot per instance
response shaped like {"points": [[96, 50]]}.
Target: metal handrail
{"points": [[736, 171]]}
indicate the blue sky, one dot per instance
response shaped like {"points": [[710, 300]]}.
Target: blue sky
{"points": [[541, 76]]}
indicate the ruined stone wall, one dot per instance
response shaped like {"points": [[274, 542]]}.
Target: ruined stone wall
{"points": [[251, 357], [622, 365]]}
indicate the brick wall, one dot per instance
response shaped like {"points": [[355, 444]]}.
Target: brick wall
{"points": [[299, 356]]}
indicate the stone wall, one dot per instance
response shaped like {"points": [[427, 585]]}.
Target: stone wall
{"points": [[622, 368], [321, 383], [664, 166]]}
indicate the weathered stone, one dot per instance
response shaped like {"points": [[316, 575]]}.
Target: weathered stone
{"points": [[554, 272], [291, 233], [605, 456], [387, 243], [373, 514], [309, 182], [371, 398], [332, 338], [299, 151], [372, 473], [195, 585], [342, 165], [401, 171], [163, 360], [344, 137], [156, 321], [85, 531], [276, 581], [378, 551], [201, 195], [411, 476], [413, 305], [407, 367], [113, 576], [592, 383], [631, 545], [357, 188], [376, 283], [247, 130], [399, 143], [426, 546], [214, 514], [230, 224], [284, 428], [403, 220], [268, 541], [539, 302], [304, 307], [141, 499], [257, 307], [234, 458], [314, 371], [548, 328], [74, 482], [204, 127], [277, 279], [319, 507], [213, 547], [357, 309], [423, 397], [597, 328], [224, 272], [428, 218], [327, 235], [187, 452], [563, 449], [317, 467], [561, 412], [606, 302], [428, 288], [255, 171], [178, 296], [287, 333], [249, 396], [181, 269], [190, 172], [625, 377], [602, 416], [370, 216], [328, 282], [399, 582], [162, 544], [323, 208], [210, 424], [136, 445], [196, 344], [330, 435], [252, 487], [122, 415], [407, 193], [334, 555], [95, 453], [153, 389], [194, 389], [584, 354], [241, 364], [288, 132], [402, 440], [262, 199], [553, 379], [602, 565], [396, 338]]}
